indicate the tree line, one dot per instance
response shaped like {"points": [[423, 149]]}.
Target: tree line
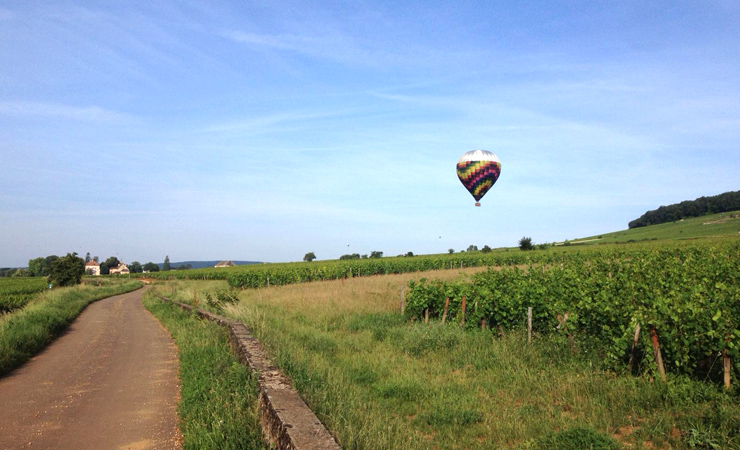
{"points": [[43, 266], [729, 201]]}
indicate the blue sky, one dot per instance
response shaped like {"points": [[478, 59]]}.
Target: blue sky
{"points": [[265, 130]]}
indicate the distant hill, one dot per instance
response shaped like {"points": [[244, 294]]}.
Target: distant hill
{"points": [[725, 224], [729, 201], [205, 264]]}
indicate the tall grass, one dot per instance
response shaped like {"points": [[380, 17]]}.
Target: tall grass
{"points": [[218, 406], [378, 381], [25, 332]]}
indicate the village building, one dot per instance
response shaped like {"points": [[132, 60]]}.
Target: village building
{"points": [[92, 267], [121, 268], [225, 264]]}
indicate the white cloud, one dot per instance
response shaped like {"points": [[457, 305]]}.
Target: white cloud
{"points": [[58, 111]]}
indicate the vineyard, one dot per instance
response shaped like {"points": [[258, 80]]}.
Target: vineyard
{"points": [[16, 292], [279, 274], [685, 299]]}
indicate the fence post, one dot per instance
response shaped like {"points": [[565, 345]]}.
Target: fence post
{"points": [[447, 305], [656, 352], [529, 324], [463, 311]]}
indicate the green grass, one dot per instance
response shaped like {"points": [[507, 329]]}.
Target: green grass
{"points": [[713, 225], [378, 382], [26, 331], [218, 406]]}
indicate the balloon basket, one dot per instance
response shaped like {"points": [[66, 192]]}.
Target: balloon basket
{"points": [[477, 203]]}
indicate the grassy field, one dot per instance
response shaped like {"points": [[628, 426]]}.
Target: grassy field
{"points": [[713, 225], [378, 381], [218, 405], [24, 332]]}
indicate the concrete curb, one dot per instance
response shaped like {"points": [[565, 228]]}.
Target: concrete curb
{"points": [[287, 422]]}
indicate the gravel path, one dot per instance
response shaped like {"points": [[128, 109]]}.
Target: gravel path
{"points": [[109, 382]]}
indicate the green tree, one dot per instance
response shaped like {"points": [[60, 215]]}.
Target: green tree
{"points": [[473, 248], [166, 266], [41, 267], [135, 267], [451, 251], [525, 243], [410, 254], [310, 256], [486, 249], [151, 267], [67, 270], [22, 273], [376, 254], [107, 264]]}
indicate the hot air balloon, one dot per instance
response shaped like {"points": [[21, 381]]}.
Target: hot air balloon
{"points": [[478, 171]]}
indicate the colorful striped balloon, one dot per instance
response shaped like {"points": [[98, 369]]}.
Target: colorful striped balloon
{"points": [[478, 171]]}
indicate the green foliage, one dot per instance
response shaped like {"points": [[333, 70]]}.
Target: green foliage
{"points": [[135, 267], [151, 267], [376, 254], [166, 266], [689, 294], [41, 267], [729, 201], [106, 265], [350, 256], [310, 256], [67, 271], [218, 396], [217, 299], [582, 438], [16, 292], [525, 243]]}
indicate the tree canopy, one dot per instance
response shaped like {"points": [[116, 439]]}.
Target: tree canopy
{"points": [[729, 201], [525, 243], [67, 270]]}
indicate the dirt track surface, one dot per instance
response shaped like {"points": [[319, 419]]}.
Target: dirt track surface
{"points": [[109, 382]]}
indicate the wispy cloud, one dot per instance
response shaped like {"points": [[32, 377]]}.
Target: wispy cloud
{"points": [[267, 122], [59, 111]]}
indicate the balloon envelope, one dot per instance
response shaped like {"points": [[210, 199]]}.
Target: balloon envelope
{"points": [[478, 171]]}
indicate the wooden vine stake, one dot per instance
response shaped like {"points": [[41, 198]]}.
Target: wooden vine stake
{"points": [[444, 313], [462, 322], [726, 362], [634, 347], [403, 300], [656, 352], [426, 315], [529, 324]]}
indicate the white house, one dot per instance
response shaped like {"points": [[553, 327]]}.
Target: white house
{"points": [[120, 268], [92, 267]]}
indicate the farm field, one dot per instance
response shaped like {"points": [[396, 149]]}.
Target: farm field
{"points": [[716, 226], [16, 292], [712, 225], [379, 380]]}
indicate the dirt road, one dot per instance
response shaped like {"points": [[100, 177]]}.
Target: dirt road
{"points": [[110, 382]]}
